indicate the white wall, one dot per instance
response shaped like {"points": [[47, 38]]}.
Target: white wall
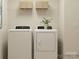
{"points": [[12, 17], [3, 31], [61, 19], [61, 28], [30, 17]]}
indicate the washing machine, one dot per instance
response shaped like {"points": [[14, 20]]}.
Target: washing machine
{"points": [[19, 44]]}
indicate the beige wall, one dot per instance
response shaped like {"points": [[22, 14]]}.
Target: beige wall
{"points": [[71, 26]]}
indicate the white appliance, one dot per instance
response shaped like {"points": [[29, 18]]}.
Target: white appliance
{"points": [[20, 44], [45, 44]]}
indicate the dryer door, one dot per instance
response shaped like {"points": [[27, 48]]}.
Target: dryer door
{"points": [[46, 41]]}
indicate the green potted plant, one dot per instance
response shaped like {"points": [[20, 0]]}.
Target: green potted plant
{"points": [[45, 21]]}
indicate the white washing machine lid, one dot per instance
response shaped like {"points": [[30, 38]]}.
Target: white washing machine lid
{"points": [[20, 30]]}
